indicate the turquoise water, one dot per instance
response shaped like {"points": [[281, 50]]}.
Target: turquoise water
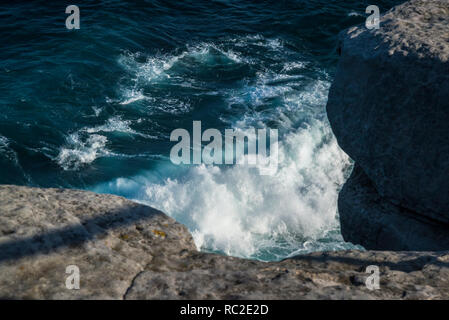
{"points": [[94, 108]]}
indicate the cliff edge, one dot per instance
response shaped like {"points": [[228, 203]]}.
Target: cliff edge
{"points": [[124, 250]]}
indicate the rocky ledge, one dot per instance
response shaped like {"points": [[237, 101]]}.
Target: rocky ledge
{"points": [[389, 109], [126, 250]]}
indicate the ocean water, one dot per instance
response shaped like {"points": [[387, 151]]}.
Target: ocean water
{"points": [[94, 108]]}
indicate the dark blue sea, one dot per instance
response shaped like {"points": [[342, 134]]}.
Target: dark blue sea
{"points": [[94, 108]]}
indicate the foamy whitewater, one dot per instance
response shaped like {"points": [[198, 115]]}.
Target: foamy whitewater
{"points": [[236, 210]]}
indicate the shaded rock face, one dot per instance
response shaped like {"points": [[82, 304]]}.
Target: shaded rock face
{"points": [[368, 219], [389, 109], [126, 250]]}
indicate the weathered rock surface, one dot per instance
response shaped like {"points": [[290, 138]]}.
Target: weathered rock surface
{"points": [[330, 275], [389, 109], [367, 218], [126, 250], [389, 105], [109, 238]]}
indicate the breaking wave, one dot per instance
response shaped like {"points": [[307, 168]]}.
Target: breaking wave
{"points": [[234, 210]]}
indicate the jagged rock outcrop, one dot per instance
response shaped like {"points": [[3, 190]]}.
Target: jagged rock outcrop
{"points": [[125, 250], [389, 109]]}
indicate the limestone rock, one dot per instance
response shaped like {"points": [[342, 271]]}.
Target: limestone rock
{"points": [[110, 239], [389, 105], [328, 275]]}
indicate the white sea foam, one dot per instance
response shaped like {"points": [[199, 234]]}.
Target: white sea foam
{"points": [[293, 65], [133, 96], [87, 144], [7, 151], [79, 151], [241, 213], [162, 69], [258, 40], [354, 14], [157, 68], [97, 110], [235, 210], [117, 124], [4, 142]]}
